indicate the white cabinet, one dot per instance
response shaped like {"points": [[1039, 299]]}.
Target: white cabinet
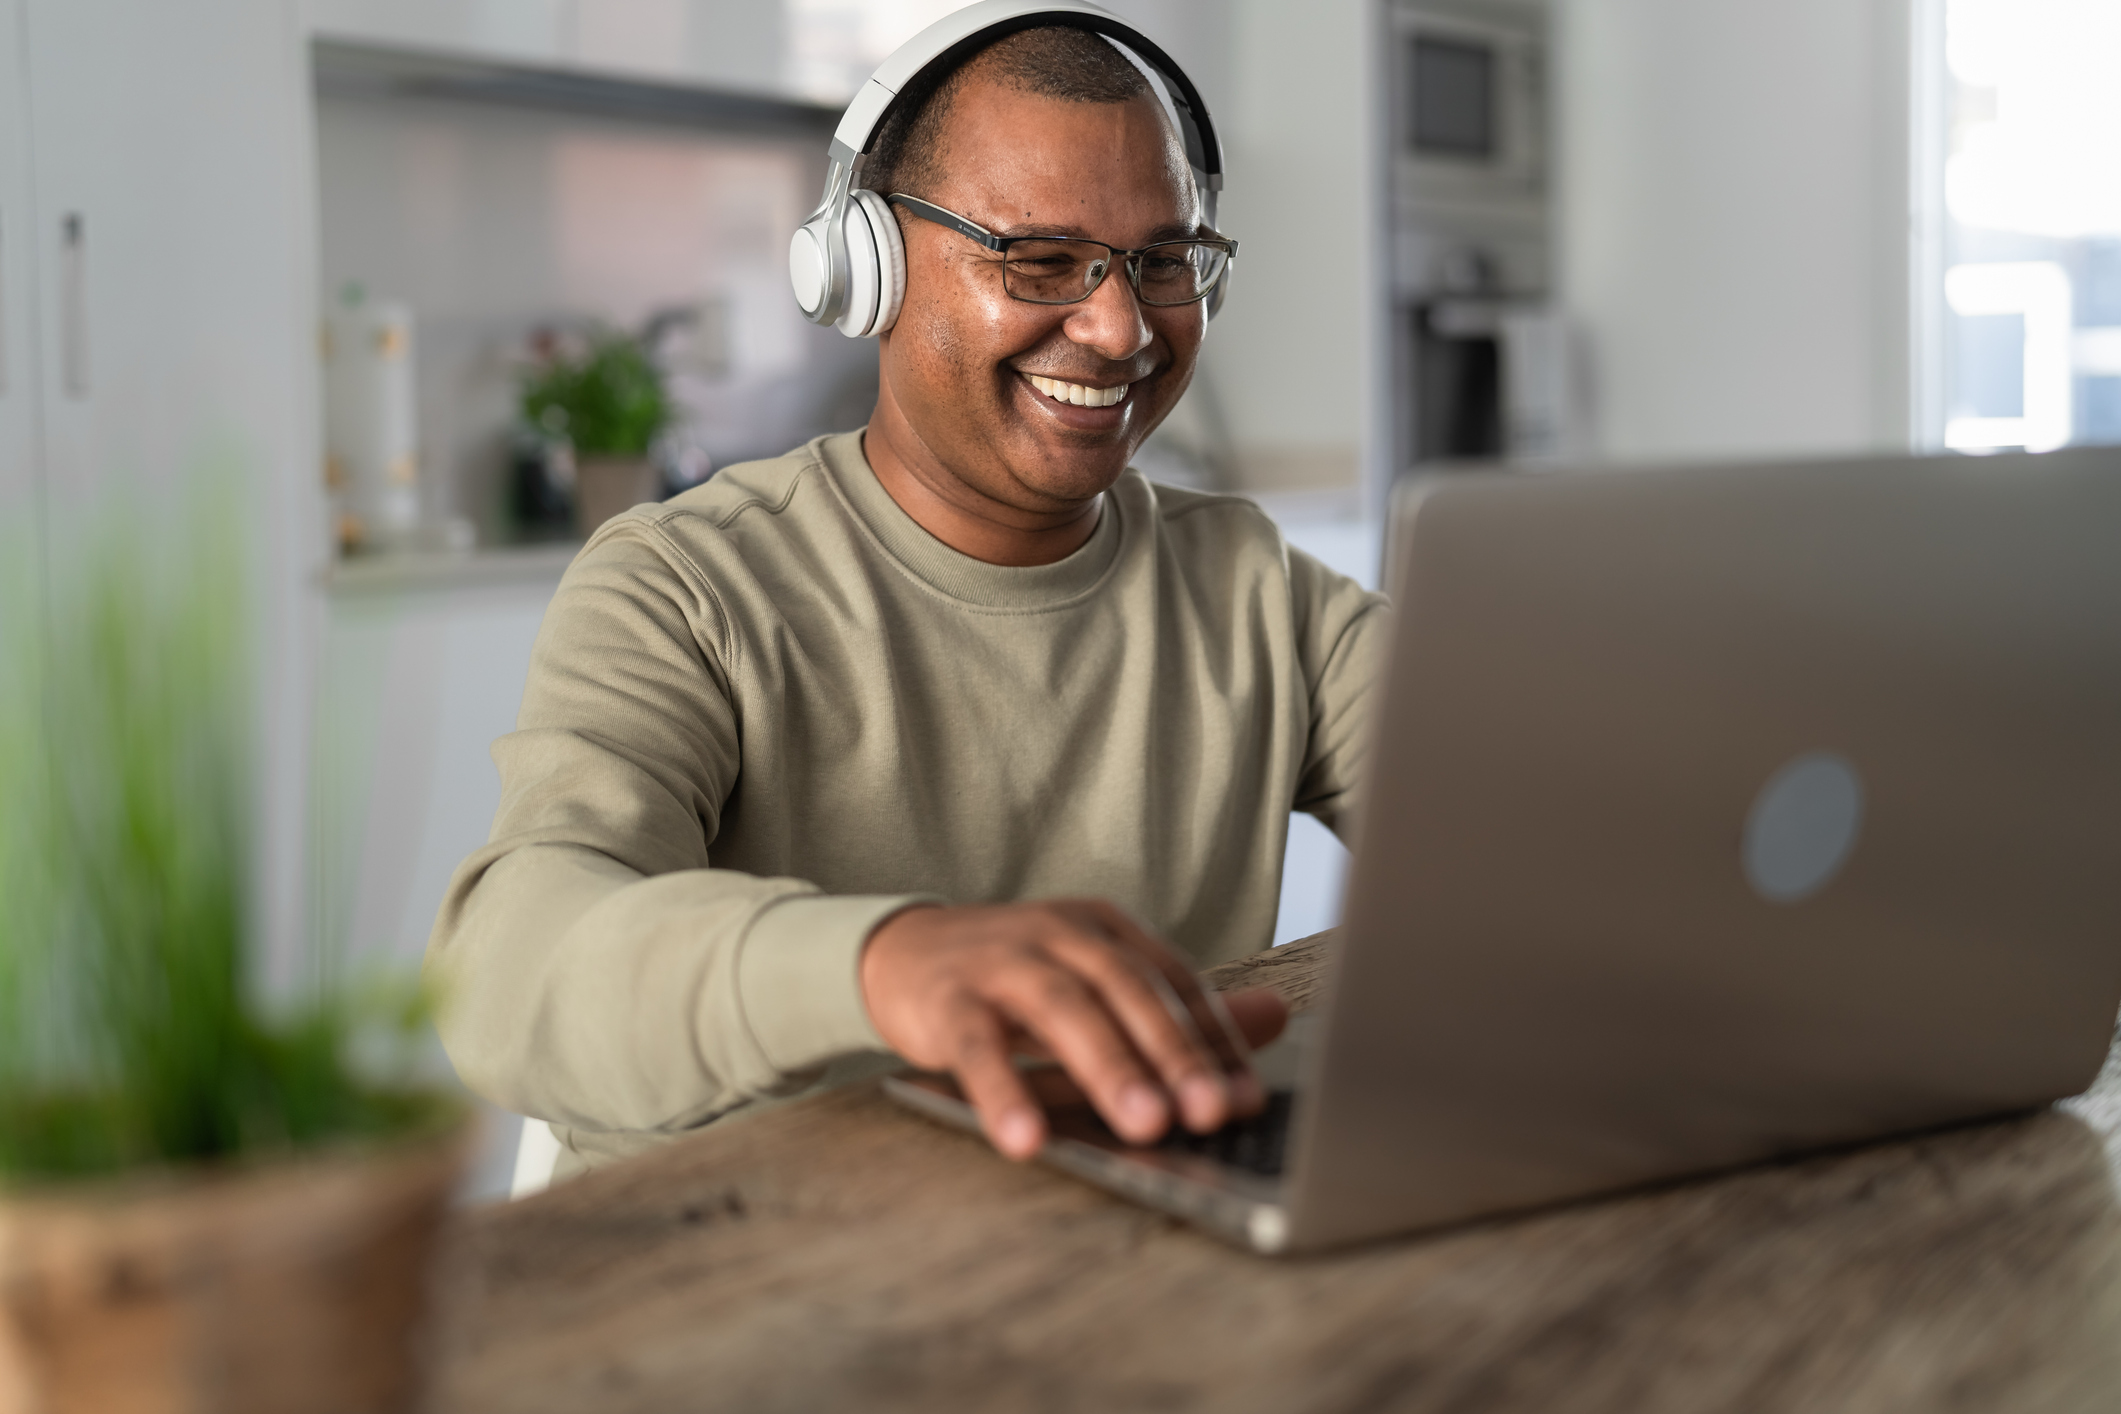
{"points": [[735, 46], [21, 522], [158, 311], [169, 165], [18, 465]]}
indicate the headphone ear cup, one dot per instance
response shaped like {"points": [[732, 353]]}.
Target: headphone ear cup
{"points": [[891, 258], [1221, 291], [859, 319], [809, 272]]}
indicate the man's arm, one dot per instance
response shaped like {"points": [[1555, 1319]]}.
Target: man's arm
{"points": [[594, 969], [1341, 632]]}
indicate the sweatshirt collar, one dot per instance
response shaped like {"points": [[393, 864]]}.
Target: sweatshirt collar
{"points": [[957, 575]]}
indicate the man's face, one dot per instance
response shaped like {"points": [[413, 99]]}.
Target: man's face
{"points": [[960, 358]]}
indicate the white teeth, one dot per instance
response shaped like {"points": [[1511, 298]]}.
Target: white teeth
{"points": [[1077, 393]]}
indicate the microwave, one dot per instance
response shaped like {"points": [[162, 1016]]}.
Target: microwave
{"points": [[1469, 113]]}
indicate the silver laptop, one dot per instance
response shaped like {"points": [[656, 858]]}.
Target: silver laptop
{"points": [[1716, 814]]}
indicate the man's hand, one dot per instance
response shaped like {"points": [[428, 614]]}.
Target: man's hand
{"points": [[1077, 981]]}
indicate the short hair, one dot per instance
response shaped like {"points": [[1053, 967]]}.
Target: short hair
{"points": [[1052, 61]]}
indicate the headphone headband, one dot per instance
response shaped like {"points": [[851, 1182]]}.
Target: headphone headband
{"points": [[819, 254], [946, 42]]}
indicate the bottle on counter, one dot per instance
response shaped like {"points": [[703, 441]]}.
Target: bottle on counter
{"points": [[371, 424]]}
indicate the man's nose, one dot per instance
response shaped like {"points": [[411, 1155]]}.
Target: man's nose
{"points": [[1110, 321]]}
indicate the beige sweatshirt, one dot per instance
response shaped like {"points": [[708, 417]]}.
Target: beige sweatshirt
{"points": [[767, 714]]}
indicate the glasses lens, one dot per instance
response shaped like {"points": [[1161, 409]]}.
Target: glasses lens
{"points": [[1054, 272], [1180, 272]]}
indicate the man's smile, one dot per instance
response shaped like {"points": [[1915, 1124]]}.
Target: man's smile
{"points": [[1078, 409], [1082, 395]]}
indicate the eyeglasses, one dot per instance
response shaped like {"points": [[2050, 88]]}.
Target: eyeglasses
{"points": [[1068, 269]]}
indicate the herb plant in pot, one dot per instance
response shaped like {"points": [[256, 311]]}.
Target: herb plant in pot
{"points": [[606, 399], [206, 1202]]}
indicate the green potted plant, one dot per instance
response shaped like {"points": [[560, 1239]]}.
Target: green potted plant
{"points": [[206, 1201], [603, 397]]}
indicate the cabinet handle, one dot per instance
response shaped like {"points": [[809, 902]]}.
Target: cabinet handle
{"points": [[73, 311]]}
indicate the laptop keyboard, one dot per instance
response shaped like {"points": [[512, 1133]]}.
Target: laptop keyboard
{"points": [[1257, 1145]]}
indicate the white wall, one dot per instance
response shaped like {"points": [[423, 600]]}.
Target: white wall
{"points": [[1292, 353], [1734, 207]]}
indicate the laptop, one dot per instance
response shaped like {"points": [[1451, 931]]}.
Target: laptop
{"points": [[1716, 814]]}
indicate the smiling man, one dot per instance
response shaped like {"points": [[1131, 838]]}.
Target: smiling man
{"points": [[950, 738]]}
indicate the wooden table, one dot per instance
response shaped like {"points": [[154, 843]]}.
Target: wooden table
{"points": [[839, 1253]]}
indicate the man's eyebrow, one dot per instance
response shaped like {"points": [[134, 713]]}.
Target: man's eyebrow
{"points": [[1169, 231]]}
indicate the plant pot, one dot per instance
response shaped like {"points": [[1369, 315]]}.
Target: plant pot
{"points": [[292, 1286], [606, 486]]}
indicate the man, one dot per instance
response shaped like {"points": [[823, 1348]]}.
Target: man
{"points": [[922, 739]]}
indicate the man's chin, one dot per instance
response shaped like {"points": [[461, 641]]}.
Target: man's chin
{"points": [[1071, 481]]}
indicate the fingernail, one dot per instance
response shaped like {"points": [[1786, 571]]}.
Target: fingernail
{"points": [[1206, 1100], [1141, 1108], [1016, 1133]]}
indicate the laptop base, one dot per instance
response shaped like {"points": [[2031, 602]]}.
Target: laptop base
{"points": [[1239, 1207]]}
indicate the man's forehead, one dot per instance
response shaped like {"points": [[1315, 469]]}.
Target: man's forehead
{"points": [[1044, 162]]}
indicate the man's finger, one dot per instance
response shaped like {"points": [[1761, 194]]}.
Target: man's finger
{"points": [[1208, 1021], [1158, 1025], [1202, 1006], [979, 1058], [1260, 1013], [1071, 1019]]}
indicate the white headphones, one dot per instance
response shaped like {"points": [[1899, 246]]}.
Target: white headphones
{"points": [[847, 263]]}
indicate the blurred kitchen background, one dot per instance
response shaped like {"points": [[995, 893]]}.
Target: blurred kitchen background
{"points": [[329, 242]]}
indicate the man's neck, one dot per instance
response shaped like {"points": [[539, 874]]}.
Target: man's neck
{"points": [[961, 516]]}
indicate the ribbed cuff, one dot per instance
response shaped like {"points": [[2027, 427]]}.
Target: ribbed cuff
{"points": [[799, 976]]}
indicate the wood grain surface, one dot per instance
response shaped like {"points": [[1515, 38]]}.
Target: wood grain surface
{"points": [[840, 1253]]}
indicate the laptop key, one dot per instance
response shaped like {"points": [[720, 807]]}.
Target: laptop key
{"points": [[1257, 1145]]}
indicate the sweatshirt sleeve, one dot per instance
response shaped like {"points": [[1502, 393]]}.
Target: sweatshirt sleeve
{"points": [[1341, 633], [592, 967]]}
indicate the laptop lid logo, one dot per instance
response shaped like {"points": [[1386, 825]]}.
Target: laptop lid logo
{"points": [[1802, 827]]}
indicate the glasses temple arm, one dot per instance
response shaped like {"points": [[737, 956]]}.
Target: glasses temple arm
{"points": [[929, 211]]}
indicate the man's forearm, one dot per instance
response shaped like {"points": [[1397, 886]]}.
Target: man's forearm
{"points": [[575, 989]]}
